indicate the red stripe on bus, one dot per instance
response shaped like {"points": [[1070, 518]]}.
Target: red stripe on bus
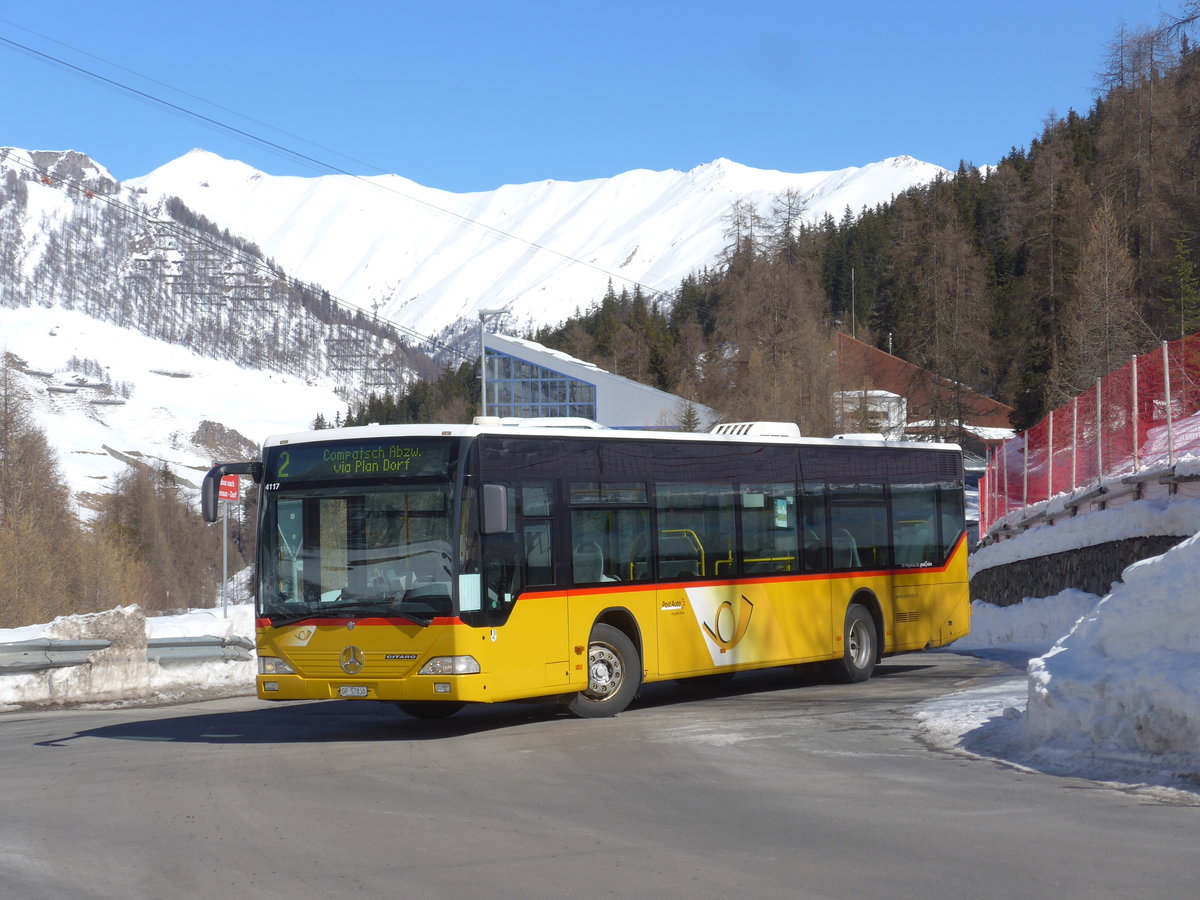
{"points": [[370, 620]]}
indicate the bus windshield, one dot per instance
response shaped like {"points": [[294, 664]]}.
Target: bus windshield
{"points": [[368, 550]]}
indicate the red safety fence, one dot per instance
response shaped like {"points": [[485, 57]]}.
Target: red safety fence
{"points": [[1146, 413]]}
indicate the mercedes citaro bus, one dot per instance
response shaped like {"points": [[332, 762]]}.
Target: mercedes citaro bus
{"points": [[439, 565]]}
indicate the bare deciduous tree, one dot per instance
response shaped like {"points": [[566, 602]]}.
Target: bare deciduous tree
{"points": [[1102, 320]]}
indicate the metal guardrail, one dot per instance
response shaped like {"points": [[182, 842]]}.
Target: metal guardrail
{"points": [[45, 653], [1097, 495], [199, 649]]}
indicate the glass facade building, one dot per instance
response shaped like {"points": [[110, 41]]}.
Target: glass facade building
{"points": [[525, 380], [517, 387]]}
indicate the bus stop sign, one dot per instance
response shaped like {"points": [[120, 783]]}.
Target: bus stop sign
{"points": [[229, 488]]}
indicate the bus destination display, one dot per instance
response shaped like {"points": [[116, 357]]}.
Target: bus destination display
{"points": [[357, 460]]}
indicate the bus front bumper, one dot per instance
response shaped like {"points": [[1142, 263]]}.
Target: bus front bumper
{"points": [[465, 688]]}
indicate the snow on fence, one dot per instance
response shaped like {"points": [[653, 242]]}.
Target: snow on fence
{"points": [[1143, 416]]}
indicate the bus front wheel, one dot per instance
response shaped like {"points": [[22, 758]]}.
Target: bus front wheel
{"points": [[858, 646], [614, 674]]}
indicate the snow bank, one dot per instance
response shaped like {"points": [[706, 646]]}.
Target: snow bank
{"points": [[1114, 697], [1125, 678], [1036, 623], [122, 673], [237, 621]]}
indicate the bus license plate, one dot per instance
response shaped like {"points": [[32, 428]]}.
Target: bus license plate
{"points": [[352, 690]]}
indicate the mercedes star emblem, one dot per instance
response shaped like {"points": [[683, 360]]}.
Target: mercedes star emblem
{"points": [[352, 660]]}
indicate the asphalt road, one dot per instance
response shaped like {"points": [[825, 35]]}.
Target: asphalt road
{"points": [[772, 785]]}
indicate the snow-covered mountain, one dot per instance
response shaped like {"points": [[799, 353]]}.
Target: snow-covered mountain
{"points": [[152, 336], [430, 259], [144, 334]]}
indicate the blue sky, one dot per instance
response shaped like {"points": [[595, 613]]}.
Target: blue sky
{"points": [[472, 95]]}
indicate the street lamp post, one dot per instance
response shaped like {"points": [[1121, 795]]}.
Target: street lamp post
{"points": [[484, 315]]}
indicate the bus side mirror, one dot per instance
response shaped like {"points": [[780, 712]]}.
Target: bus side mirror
{"points": [[212, 484], [495, 509]]}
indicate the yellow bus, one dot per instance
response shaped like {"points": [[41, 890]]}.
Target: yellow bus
{"points": [[436, 566]]}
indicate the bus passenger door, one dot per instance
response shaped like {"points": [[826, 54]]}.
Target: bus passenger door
{"points": [[687, 605], [813, 615], [702, 616], [528, 642]]}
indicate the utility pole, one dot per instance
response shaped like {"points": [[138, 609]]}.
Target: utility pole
{"points": [[853, 316]]}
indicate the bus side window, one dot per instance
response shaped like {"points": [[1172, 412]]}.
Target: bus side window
{"points": [[950, 502], [813, 529], [699, 517], [914, 525], [537, 507], [609, 545], [858, 526], [768, 517], [678, 554], [610, 531]]}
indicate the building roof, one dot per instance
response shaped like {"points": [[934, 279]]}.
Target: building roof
{"points": [[931, 398]]}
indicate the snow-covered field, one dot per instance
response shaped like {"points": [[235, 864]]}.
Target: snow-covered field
{"points": [[173, 391], [1108, 691]]}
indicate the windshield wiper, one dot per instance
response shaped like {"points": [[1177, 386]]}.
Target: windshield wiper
{"points": [[390, 607], [386, 606]]}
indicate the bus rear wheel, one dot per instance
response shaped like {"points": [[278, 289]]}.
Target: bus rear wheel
{"points": [[430, 709], [614, 675], [858, 646]]}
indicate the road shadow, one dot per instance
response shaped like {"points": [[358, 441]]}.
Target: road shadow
{"points": [[812, 679], [315, 722], [352, 721]]}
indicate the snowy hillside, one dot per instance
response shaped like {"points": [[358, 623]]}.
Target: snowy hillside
{"points": [[172, 393], [428, 258], [71, 238]]}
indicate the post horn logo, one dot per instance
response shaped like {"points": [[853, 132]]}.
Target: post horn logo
{"points": [[729, 624], [352, 660]]}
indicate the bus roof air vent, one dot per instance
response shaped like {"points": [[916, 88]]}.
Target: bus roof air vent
{"points": [[759, 429]]}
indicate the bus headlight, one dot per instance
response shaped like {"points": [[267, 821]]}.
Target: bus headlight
{"points": [[451, 665], [273, 665]]}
